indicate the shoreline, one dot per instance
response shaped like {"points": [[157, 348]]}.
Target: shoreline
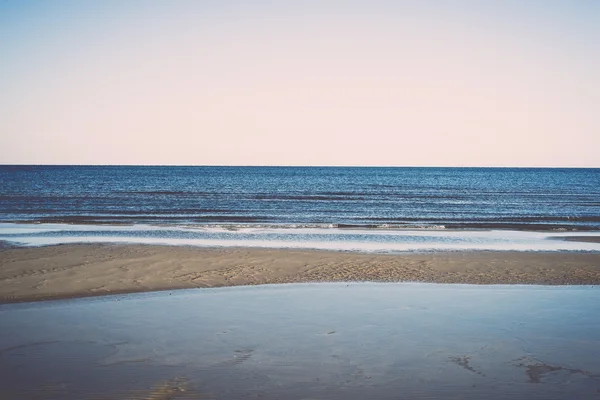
{"points": [[81, 270]]}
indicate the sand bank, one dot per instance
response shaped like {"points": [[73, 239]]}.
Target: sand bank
{"points": [[65, 271]]}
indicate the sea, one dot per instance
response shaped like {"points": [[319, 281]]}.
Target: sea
{"points": [[366, 209], [306, 341]]}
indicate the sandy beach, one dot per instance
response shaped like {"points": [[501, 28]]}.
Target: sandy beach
{"points": [[65, 271]]}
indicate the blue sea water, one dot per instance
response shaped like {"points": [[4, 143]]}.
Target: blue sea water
{"points": [[344, 208]]}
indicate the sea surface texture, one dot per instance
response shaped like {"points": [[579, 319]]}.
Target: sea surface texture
{"points": [[385, 209]]}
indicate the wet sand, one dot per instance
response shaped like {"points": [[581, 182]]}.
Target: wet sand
{"points": [[587, 239], [66, 271]]}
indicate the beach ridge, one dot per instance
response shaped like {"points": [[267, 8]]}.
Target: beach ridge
{"points": [[81, 270]]}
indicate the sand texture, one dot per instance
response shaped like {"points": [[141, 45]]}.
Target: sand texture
{"points": [[65, 271]]}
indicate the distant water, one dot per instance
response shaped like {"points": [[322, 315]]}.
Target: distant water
{"points": [[379, 209]]}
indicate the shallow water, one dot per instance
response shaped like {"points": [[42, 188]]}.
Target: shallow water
{"points": [[301, 341]]}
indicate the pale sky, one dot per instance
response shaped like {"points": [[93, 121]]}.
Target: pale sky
{"points": [[242, 82]]}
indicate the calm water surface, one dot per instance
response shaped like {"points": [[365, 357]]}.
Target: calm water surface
{"points": [[310, 341], [516, 198]]}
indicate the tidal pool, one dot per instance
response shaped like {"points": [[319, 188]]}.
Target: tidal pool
{"points": [[307, 341]]}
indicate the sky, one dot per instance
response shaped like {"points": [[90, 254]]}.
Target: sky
{"points": [[242, 82]]}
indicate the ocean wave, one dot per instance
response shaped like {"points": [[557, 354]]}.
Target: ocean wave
{"points": [[105, 219], [382, 237], [237, 222], [292, 226]]}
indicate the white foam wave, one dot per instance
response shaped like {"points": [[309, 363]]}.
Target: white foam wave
{"points": [[324, 238]]}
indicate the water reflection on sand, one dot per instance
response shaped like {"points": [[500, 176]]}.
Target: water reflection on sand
{"points": [[301, 341]]}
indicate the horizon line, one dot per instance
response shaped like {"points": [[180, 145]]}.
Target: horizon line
{"points": [[298, 166]]}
